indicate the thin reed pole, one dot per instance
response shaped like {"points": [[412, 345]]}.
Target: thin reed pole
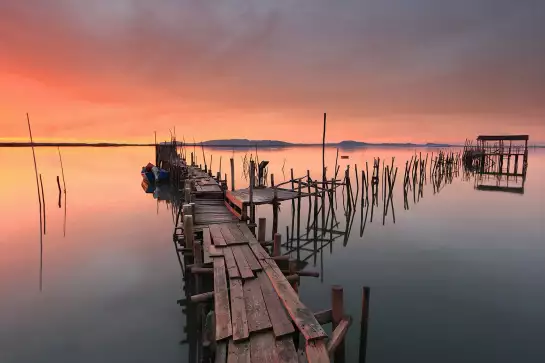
{"points": [[37, 178]]}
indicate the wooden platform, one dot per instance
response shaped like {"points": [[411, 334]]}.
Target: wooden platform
{"points": [[255, 306], [261, 195]]}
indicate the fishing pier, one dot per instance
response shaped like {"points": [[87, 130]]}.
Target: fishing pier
{"points": [[241, 293]]}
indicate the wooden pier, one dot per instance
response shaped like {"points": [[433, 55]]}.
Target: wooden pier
{"points": [[252, 292]]}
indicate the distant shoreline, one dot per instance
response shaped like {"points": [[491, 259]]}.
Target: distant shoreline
{"points": [[244, 144]]}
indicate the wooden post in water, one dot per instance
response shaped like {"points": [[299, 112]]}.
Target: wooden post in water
{"points": [[275, 206], [188, 231], [232, 161], [262, 228], [252, 182], [364, 323], [277, 244], [337, 314]]}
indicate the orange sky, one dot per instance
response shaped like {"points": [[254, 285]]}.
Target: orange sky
{"points": [[395, 71]]}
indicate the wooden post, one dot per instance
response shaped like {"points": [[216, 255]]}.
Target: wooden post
{"points": [[192, 205], [277, 245], [187, 209], [232, 161], [337, 314], [252, 182], [275, 206], [262, 228], [197, 260], [188, 231], [218, 176], [364, 323], [187, 195]]}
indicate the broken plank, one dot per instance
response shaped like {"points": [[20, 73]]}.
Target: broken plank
{"points": [[221, 301], [338, 334], [262, 348], [217, 237], [214, 252], [317, 352], [239, 352], [243, 266], [232, 268], [207, 242], [256, 310], [280, 320], [285, 351], [238, 311], [250, 258], [300, 314]]}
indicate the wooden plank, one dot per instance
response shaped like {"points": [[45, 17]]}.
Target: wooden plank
{"points": [[214, 252], [338, 334], [217, 237], [247, 233], [317, 352], [231, 264], [233, 210], [262, 348], [300, 314], [282, 324], [285, 351], [221, 352], [237, 233], [239, 352], [236, 201], [256, 310], [243, 266], [221, 301], [238, 311], [207, 243], [227, 235], [250, 258]]}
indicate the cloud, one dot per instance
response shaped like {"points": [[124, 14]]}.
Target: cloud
{"points": [[355, 58]]}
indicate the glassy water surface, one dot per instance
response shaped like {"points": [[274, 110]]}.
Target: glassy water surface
{"points": [[458, 277]]}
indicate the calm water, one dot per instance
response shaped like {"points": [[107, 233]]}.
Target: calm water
{"points": [[459, 277]]}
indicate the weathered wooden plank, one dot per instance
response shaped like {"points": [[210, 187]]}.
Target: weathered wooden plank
{"points": [[221, 301], [230, 262], [238, 311], [227, 235], [247, 233], [250, 258], [207, 243], [300, 314], [239, 352], [221, 352], [280, 320], [217, 237], [263, 347], [256, 310], [243, 266], [237, 233], [285, 351], [338, 334], [214, 252], [317, 352]]}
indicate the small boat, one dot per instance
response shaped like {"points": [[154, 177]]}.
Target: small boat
{"points": [[153, 173], [344, 156]]}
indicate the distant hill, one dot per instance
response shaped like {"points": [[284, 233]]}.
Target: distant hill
{"points": [[246, 143], [238, 143]]}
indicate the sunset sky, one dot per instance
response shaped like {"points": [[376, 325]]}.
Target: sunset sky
{"points": [[383, 70]]}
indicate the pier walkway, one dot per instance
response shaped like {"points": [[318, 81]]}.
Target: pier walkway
{"points": [[258, 316]]}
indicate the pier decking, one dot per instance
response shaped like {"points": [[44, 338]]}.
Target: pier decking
{"points": [[258, 316]]}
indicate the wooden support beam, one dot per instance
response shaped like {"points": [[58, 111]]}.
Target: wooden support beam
{"points": [[277, 244], [262, 228], [338, 335]]}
